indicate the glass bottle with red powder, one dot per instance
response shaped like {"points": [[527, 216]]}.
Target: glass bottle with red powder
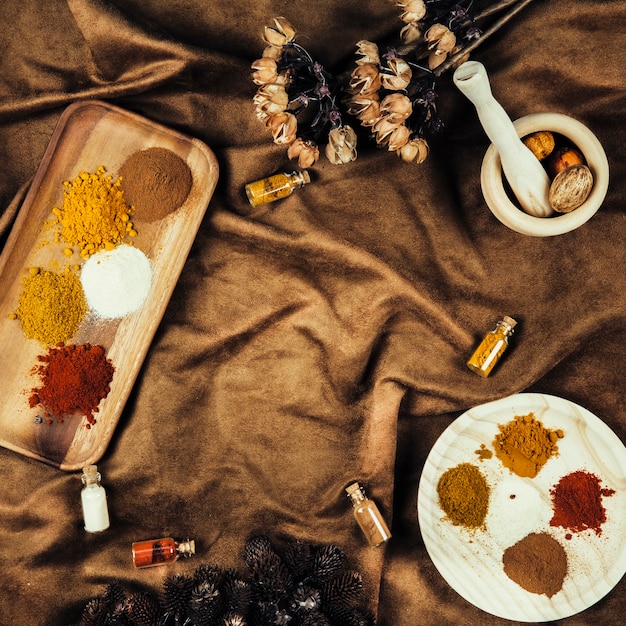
{"points": [[162, 551]]}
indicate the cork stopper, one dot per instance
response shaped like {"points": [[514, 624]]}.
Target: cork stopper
{"points": [[90, 475], [509, 321], [302, 177], [186, 548], [355, 492]]}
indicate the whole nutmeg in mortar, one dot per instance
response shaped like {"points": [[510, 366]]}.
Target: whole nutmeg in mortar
{"points": [[570, 188], [562, 158], [541, 143]]}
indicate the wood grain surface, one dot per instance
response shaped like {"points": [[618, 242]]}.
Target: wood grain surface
{"points": [[471, 560]]}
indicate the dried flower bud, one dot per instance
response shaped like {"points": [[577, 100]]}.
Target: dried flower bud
{"points": [[271, 99], [365, 79], [272, 52], [280, 34], [414, 151], [265, 71], [370, 114], [400, 75], [398, 138], [284, 127], [305, 150], [383, 129], [368, 52], [341, 147], [440, 38], [410, 33], [366, 108], [396, 106], [414, 11]]}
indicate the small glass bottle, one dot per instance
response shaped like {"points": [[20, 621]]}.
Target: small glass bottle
{"points": [[161, 551], [276, 187], [94, 501], [492, 347], [368, 516]]}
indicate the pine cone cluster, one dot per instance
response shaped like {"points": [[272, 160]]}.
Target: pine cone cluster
{"points": [[301, 584]]}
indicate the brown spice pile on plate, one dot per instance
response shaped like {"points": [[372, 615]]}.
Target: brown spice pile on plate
{"points": [[464, 495], [538, 563]]}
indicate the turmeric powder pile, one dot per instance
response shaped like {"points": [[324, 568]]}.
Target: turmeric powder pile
{"points": [[524, 445], [51, 305], [94, 215]]}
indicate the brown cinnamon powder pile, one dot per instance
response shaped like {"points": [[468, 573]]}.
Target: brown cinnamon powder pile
{"points": [[538, 563], [156, 181]]}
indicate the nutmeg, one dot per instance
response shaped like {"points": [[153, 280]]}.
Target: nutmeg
{"points": [[562, 158], [570, 188], [541, 143]]}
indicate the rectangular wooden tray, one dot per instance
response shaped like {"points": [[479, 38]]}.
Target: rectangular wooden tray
{"points": [[90, 134]]}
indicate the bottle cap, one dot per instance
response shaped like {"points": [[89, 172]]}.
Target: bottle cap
{"points": [[90, 474], [509, 321], [187, 548], [355, 491], [302, 177]]}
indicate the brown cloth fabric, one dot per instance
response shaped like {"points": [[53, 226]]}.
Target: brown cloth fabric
{"points": [[324, 339]]}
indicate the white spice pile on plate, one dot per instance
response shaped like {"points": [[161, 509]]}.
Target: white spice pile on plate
{"points": [[116, 282]]}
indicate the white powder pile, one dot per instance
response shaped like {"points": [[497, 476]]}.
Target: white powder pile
{"points": [[116, 282]]}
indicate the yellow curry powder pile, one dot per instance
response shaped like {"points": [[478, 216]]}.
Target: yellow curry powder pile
{"points": [[94, 215], [464, 495], [51, 305], [524, 445]]}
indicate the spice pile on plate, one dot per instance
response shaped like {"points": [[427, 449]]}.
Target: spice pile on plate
{"points": [[107, 277], [538, 562]]}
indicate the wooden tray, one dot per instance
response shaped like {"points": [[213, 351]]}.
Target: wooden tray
{"points": [[90, 134]]}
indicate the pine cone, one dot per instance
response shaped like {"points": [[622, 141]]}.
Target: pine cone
{"points": [[305, 599], [208, 573], [315, 619], [258, 548], [234, 619], [177, 594], [298, 556], [237, 593], [327, 563], [205, 604], [271, 576], [144, 609], [345, 590], [351, 617], [94, 613]]}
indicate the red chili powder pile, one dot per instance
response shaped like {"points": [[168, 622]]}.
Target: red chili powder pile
{"points": [[74, 380], [577, 502]]}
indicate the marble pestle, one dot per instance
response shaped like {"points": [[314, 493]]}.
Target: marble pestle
{"points": [[525, 174]]}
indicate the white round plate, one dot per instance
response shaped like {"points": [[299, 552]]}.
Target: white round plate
{"points": [[471, 560]]}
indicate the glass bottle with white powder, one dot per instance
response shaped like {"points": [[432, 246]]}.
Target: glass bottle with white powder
{"points": [[94, 501]]}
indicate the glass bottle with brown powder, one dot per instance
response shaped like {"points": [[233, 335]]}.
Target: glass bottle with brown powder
{"points": [[368, 516]]}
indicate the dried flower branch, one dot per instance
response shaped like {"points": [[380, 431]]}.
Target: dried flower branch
{"points": [[292, 85], [392, 93], [437, 35]]}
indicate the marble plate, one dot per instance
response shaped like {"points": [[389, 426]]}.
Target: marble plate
{"points": [[471, 560]]}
